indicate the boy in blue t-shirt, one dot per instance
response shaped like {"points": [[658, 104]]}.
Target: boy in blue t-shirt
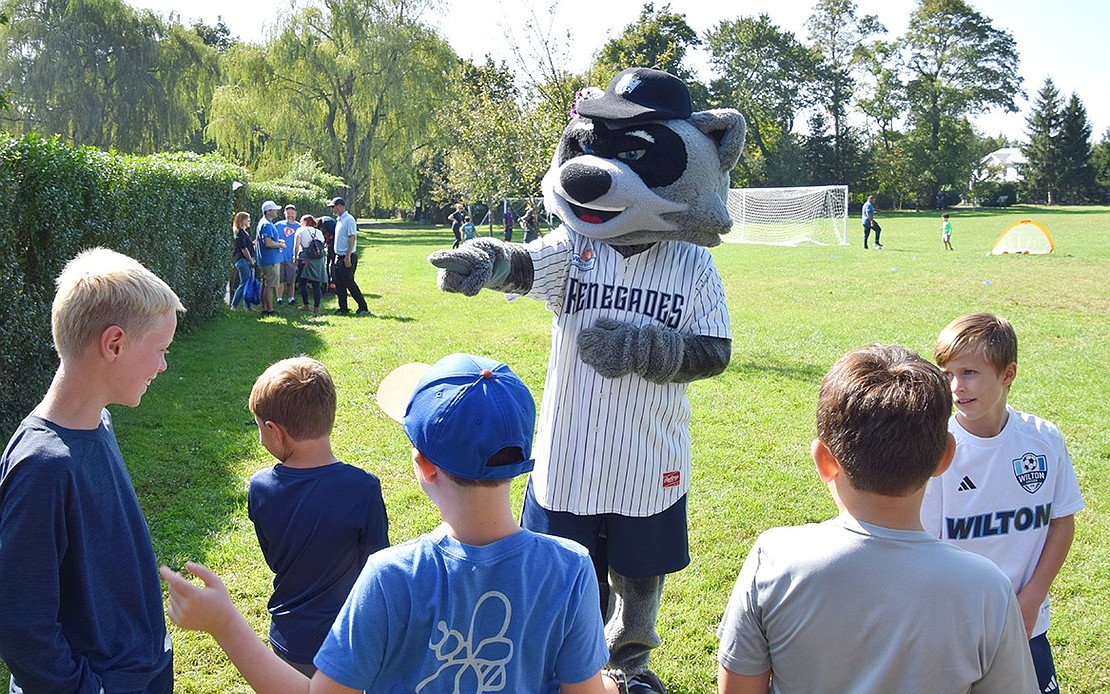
{"points": [[479, 604], [317, 519], [82, 606], [468, 229]]}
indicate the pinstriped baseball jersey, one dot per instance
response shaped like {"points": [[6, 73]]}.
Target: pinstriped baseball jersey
{"points": [[617, 445]]}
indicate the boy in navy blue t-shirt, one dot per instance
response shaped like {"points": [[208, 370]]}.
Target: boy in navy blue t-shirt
{"points": [[82, 606], [317, 519]]}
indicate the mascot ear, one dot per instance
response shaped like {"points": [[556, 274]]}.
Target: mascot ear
{"points": [[727, 128]]}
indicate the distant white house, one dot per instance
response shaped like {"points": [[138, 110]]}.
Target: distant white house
{"points": [[1004, 164]]}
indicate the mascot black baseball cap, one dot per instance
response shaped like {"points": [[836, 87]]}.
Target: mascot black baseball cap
{"points": [[640, 93]]}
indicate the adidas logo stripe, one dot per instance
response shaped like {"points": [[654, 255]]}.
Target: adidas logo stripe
{"points": [[966, 485]]}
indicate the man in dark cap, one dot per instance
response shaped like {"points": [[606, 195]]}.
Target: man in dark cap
{"points": [[346, 259]]}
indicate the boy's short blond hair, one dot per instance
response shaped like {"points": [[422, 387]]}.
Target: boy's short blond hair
{"points": [[984, 334], [100, 288], [298, 394], [883, 413]]}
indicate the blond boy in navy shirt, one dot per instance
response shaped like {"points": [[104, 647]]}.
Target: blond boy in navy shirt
{"points": [[82, 606]]}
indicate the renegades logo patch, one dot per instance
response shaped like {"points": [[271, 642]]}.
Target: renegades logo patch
{"points": [[672, 478], [1031, 470]]}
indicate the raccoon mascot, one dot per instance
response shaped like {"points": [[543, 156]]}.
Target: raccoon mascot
{"points": [[640, 182]]}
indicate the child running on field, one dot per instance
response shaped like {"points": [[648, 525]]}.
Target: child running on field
{"points": [[1011, 492]]}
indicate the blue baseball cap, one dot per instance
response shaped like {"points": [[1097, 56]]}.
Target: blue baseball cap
{"points": [[461, 411]]}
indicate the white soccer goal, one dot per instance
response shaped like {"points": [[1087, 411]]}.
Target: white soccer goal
{"points": [[495, 214], [789, 216]]}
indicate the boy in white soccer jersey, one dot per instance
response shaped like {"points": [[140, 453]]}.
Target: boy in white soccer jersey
{"points": [[864, 602], [1011, 492]]}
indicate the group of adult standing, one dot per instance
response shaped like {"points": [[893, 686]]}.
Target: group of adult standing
{"points": [[314, 253]]}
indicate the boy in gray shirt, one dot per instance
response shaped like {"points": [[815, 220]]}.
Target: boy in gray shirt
{"points": [[868, 601]]}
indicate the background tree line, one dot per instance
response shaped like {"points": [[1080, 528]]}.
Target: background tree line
{"points": [[366, 94]]}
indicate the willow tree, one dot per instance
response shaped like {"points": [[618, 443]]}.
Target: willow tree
{"points": [[356, 83], [100, 73]]}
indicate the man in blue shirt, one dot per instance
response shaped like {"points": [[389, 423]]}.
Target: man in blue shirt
{"points": [[346, 259], [270, 252], [869, 223], [287, 229]]}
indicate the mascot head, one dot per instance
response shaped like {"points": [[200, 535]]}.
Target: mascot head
{"points": [[636, 165]]}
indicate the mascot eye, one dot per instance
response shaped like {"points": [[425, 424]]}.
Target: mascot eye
{"points": [[632, 154]]}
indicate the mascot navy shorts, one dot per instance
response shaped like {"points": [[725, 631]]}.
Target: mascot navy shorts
{"points": [[634, 547]]}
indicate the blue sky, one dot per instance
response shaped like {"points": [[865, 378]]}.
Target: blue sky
{"points": [[1065, 42]]}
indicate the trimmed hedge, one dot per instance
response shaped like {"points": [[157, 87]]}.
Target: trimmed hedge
{"points": [[171, 212], [307, 198]]}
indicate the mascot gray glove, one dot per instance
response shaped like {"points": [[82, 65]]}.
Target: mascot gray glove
{"points": [[470, 267], [615, 348]]}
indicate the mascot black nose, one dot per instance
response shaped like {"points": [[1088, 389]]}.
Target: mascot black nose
{"points": [[584, 183]]}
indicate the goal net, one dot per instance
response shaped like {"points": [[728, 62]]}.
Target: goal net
{"points": [[514, 208], [789, 216]]}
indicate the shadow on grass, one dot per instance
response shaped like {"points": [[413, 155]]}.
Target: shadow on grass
{"points": [[412, 234], [776, 366], [186, 443], [1028, 211], [405, 234]]}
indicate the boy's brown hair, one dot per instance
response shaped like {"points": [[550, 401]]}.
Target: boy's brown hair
{"points": [[298, 394], [883, 413], [100, 288], [984, 334]]}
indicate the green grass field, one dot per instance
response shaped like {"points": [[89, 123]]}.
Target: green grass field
{"points": [[191, 446]]}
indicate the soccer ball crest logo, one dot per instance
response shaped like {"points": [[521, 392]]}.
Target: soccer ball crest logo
{"points": [[1031, 470]]}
